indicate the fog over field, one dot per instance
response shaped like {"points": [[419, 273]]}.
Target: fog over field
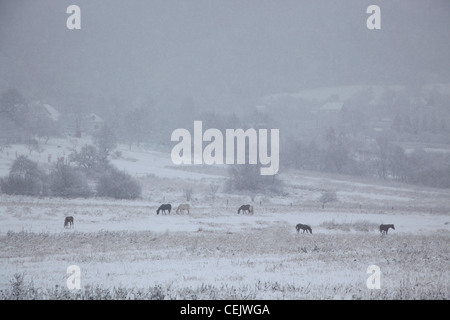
{"points": [[328, 114]]}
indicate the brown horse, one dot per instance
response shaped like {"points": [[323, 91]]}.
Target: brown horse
{"points": [[245, 208], [303, 227], [68, 222], [385, 227], [164, 207]]}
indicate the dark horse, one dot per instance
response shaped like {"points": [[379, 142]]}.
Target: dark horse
{"points": [[246, 208], [304, 227], [163, 208], [385, 227], [68, 222]]}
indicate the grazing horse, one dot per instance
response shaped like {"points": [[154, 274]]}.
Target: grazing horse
{"points": [[163, 208], [183, 207], [385, 227], [304, 227], [68, 222], [245, 208]]}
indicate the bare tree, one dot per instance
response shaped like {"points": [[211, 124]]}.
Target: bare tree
{"points": [[188, 193], [105, 141], [213, 188], [32, 145], [327, 197]]}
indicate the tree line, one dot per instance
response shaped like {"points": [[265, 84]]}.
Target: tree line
{"points": [[379, 157], [86, 173]]}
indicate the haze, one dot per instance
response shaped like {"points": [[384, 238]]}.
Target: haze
{"points": [[220, 54]]}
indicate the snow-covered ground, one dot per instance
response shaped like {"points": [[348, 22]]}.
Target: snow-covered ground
{"points": [[125, 243]]}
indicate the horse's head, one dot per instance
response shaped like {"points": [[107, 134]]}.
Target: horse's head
{"points": [[392, 226]]}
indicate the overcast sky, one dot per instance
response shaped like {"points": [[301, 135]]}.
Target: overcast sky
{"points": [[210, 50]]}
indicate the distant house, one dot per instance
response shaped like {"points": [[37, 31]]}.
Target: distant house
{"points": [[40, 109], [51, 112], [382, 124], [78, 125], [94, 123], [328, 115], [332, 107]]}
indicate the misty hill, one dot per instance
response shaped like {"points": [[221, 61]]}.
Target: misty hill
{"points": [[346, 99]]}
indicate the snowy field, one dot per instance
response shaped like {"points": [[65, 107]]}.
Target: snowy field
{"points": [[214, 253]]}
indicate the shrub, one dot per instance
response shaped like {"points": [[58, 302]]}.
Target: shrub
{"points": [[66, 181], [247, 178], [87, 158], [14, 185], [17, 286], [118, 184], [25, 178]]}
